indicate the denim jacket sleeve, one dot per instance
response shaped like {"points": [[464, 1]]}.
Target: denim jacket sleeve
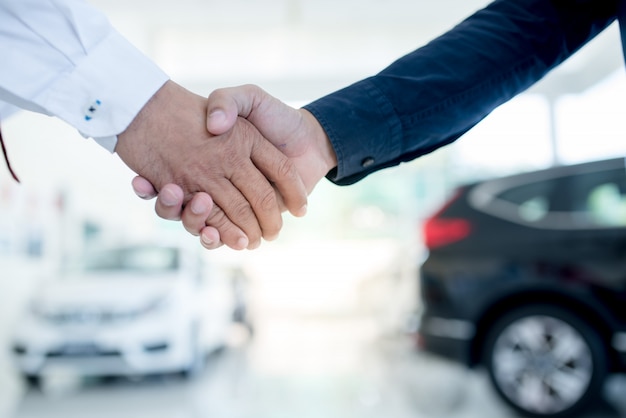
{"points": [[432, 96]]}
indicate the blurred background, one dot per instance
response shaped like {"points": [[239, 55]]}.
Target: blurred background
{"points": [[330, 306]]}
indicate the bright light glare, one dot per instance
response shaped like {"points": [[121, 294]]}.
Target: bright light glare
{"points": [[591, 125]]}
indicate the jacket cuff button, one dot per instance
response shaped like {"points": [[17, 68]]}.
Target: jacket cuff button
{"points": [[367, 162]]}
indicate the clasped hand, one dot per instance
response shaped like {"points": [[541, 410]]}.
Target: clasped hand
{"points": [[256, 158]]}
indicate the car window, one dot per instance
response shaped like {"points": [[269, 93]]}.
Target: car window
{"points": [[534, 209], [533, 201], [529, 191], [607, 205], [599, 198], [585, 199]]}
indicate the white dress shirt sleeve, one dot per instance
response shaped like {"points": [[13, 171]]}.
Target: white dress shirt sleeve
{"points": [[64, 59]]}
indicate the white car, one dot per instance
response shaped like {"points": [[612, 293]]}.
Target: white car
{"points": [[133, 310]]}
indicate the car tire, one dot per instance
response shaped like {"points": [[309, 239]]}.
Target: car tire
{"points": [[545, 361]]}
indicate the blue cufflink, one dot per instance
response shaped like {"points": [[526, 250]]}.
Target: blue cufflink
{"points": [[92, 109]]}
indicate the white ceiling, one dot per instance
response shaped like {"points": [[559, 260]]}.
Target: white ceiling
{"points": [[301, 49], [426, 14]]}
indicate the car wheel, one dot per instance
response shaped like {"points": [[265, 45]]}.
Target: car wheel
{"points": [[545, 361]]}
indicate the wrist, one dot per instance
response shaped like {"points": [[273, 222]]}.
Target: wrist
{"points": [[321, 143], [143, 145]]}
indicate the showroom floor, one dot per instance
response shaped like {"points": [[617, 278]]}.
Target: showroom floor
{"points": [[296, 367]]}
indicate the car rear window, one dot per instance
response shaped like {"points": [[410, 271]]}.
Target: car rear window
{"points": [[590, 199]]}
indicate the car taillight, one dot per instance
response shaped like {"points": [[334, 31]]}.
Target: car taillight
{"points": [[440, 231]]}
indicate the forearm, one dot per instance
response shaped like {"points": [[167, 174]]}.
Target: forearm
{"points": [[432, 96], [63, 58]]}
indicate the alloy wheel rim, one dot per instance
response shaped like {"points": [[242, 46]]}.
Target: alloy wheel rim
{"points": [[542, 364]]}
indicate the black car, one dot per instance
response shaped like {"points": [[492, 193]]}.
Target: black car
{"points": [[526, 276]]}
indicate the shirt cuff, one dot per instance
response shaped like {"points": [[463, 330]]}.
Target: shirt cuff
{"points": [[107, 142], [365, 134], [106, 90]]}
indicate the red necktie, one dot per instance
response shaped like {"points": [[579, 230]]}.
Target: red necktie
{"points": [[6, 158]]}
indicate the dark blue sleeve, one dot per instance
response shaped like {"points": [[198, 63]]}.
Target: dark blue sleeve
{"points": [[435, 94]]}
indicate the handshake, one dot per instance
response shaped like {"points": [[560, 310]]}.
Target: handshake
{"points": [[227, 166]]}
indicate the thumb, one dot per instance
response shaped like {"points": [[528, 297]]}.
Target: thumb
{"points": [[220, 119], [224, 105]]}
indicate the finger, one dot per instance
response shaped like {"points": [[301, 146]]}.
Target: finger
{"points": [[196, 212], [169, 203], [143, 188], [194, 216], [255, 187], [210, 238], [281, 171], [227, 103], [229, 233], [233, 198], [262, 200]]}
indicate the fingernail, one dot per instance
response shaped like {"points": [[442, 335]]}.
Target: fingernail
{"points": [[242, 243], [198, 207], [217, 116], [141, 194], [206, 240], [168, 198], [302, 210]]}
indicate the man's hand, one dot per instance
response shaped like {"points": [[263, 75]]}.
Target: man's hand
{"points": [[294, 132], [168, 143]]}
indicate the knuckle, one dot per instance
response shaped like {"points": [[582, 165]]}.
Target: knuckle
{"points": [[228, 232], [247, 129], [217, 219], [286, 169], [241, 211], [268, 201], [242, 215], [250, 88], [218, 93]]}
